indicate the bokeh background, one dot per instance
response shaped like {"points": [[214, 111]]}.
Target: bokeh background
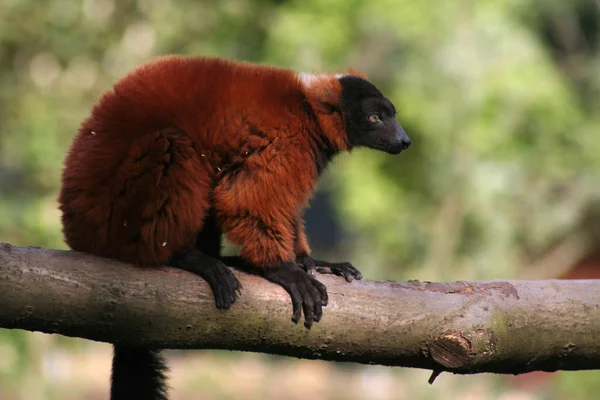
{"points": [[500, 97]]}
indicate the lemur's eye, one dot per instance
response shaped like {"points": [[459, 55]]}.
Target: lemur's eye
{"points": [[374, 118]]}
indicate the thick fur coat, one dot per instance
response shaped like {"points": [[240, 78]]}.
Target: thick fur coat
{"points": [[181, 138]]}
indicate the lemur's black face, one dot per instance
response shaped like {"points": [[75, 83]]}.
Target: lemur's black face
{"points": [[370, 117]]}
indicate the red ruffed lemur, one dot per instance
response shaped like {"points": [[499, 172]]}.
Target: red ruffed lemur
{"points": [[186, 148]]}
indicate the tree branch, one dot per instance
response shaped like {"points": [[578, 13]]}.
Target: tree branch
{"points": [[492, 326]]}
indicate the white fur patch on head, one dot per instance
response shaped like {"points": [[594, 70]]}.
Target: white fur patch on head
{"points": [[309, 80]]}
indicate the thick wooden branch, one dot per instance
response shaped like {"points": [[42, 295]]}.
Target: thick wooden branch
{"points": [[493, 326]]}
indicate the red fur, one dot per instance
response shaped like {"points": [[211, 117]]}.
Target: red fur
{"points": [[357, 72], [181, 136], [302, 247]]}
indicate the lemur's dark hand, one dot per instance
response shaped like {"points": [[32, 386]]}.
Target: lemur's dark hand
{"points": [[307, 293], [345, 269]]}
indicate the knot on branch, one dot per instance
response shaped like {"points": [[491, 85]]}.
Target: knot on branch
{"points": [[459, 349]]}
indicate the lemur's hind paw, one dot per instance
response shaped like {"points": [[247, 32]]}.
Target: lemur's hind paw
{"points": [[225, 285], [345, 269]]}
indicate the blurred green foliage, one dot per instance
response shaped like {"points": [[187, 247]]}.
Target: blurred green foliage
{"points": [[499, 97]]}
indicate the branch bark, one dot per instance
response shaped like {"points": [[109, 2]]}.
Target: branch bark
{"points": [[464, 327]]}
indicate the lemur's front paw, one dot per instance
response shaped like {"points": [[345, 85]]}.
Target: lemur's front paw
{"points": [[345, 269], [307, 293]]}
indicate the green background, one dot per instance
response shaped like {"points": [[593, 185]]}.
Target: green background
{"points": [[502, 180]]}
